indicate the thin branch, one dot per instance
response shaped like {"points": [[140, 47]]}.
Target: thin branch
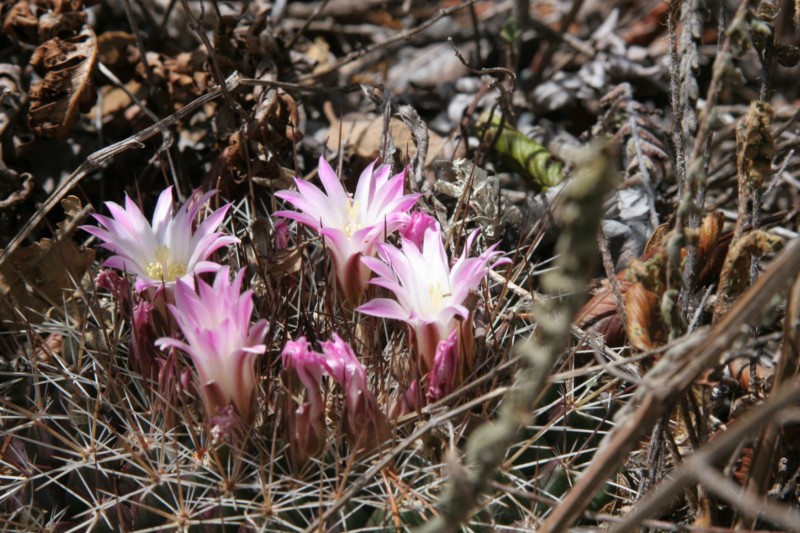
{"points": [[698, 468], [668, 380]]}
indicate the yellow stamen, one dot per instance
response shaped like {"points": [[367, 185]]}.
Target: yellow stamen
{"points": [[353, 226], [436, 296], [163, 268]]}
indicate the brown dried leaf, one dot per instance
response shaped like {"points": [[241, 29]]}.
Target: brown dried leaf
{"points": [[659, 236], [116, 100], [21, 22], [740, 370], [755, 144], [112, 46], [600, 314], [735, 275], [273, 128], [285, 262], [712, 246], [67, 88], [33, 278], [362, 137], [184, 77], [645, 327]]}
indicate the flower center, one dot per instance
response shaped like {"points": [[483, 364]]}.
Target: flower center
{"points": [[352, 208], [436, 296], [163, 268]]}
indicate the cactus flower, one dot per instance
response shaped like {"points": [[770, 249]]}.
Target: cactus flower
{"points": [[307, 427], [418, 223], [218, 337], [430, 296], [351, 226], [441, 378], [365, 421], [167, 249]]}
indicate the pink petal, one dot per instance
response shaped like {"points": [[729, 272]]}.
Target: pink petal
{"points": [[384, 308]]}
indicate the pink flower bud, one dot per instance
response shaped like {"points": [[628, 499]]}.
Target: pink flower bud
{"points": [[414, 229], [442, 376], [307, 425], [144, 354], [281, 235], [366, 423]]}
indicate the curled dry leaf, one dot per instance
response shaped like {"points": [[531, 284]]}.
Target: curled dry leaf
{"points": [[741, 370], [712, 246], [644, 277], [735, 275], [600, 313], [645, 328], [274, 128], [12, 101], [34, 278], [184, 77], [66, 66], [113, 48], [65, 18], [21, 22]]}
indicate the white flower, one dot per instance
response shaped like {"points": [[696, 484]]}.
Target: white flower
{"points": [[166, 250]]}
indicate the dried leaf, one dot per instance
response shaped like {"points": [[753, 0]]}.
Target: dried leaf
{"points": [[274, 127], [755, 145], [735, 275], [712, 246], [115, 99], [34, 278], [21, 22], [645, 276], [363, 137], [67, 66], [600, 313], [645, 327], [112, 47]]}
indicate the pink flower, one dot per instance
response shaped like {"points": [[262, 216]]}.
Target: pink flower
{"points": [[309, 366], [418, 223], [307, 427], [430, 295], [365, 421], [351, 226], [441, 378], [144, 354], [281, 235], [219, 339], [166, 250]]}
